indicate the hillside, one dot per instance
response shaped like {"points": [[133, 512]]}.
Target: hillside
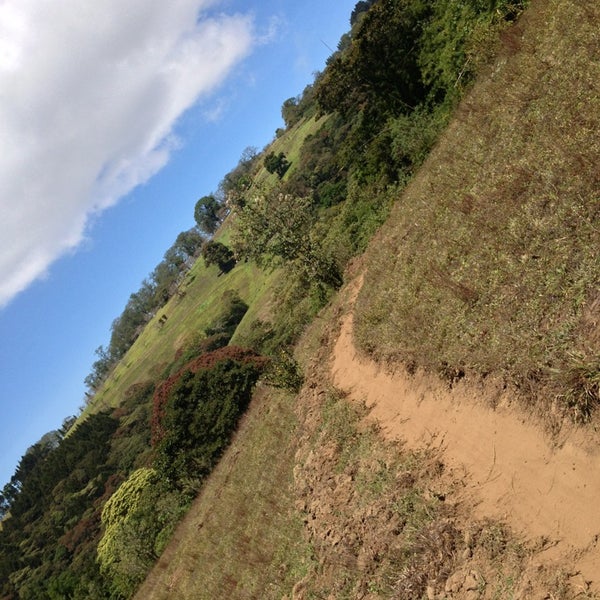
{"points": [[432, 204]]}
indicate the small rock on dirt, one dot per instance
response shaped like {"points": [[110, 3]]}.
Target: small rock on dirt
{"points": [[471, 582]]}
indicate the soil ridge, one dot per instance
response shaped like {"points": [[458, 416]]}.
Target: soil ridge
{"points": [[508, 465]]}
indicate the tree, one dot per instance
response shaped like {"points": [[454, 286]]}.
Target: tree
{"points": [[233, 309], [237, 182], [279, 228], [378, 74], [216, 253], [188, 243], [206, 214], [289, 111], [277, 163], [100, 369], [360, 8]]}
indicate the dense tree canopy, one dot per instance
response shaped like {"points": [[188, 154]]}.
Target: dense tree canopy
{"points": [[216, 253], [206, 214]]}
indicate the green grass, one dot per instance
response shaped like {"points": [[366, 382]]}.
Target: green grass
{"points": [[489, 262], [290, 144]]}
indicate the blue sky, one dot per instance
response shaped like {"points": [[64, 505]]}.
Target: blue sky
{"points": [[115, 117]]}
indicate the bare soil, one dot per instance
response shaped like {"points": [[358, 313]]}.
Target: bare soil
{"points": [[545, 487]]}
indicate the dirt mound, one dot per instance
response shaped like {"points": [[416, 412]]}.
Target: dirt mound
{"points": [[507, 465]]}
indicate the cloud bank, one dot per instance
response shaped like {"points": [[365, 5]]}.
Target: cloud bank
{"points": [[90, 93]]}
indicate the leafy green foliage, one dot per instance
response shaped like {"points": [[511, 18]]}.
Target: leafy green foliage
{"points": [[279, 228], [200, 343], [294, 109], [55, 489], [360, 8], [237, 182], [277, 163], [206, 214], [289, 112], [405, 60], [136, 520], [124, 501], [233, 309], [456, 41], [320, 173], [378, 73], [284, 372], [216, 253], [130, 442], [197, 410]]}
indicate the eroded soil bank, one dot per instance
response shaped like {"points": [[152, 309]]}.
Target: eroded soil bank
{"points": [[509, 467]]}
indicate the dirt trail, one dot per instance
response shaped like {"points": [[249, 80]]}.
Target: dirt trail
{"points": [[506, 464]]}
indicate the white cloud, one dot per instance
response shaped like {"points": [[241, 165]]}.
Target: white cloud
{"points": [[89, 96]]}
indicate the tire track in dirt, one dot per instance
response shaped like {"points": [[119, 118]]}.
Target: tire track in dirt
{"points": [[507, 465]]}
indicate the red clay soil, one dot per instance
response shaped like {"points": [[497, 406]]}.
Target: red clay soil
{"points": [[509, 466]]}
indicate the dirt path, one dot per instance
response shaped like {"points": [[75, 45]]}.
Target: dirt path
{"points": [[506, 463]]}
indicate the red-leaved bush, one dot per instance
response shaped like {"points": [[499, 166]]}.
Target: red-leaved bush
{"points": [[205, 361]]}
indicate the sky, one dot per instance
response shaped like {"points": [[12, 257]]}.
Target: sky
{"points": [[115, 117]]}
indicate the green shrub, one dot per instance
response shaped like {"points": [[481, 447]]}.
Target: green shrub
{"points": [[137, 519], [197, 413], [284, 372], [457, 39]]}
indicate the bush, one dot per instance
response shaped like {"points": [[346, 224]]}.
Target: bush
{"points": [[137, 520], [277, 163], [196, 411], [284, 372], [216, 253], [233, 309]]}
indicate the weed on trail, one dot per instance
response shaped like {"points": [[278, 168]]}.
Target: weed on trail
{"points": [[489, 262]]}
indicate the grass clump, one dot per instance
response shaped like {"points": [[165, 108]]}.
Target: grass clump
{"points": [[581, 380]]}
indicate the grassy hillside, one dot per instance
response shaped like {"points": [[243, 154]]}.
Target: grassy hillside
{"points": [[187, 317], [489, 263]]}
